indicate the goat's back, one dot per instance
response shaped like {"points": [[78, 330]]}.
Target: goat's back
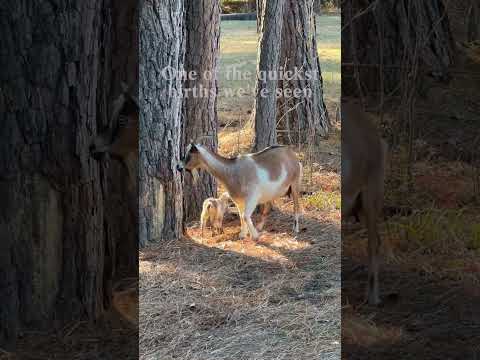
{"points": [[275, 157]]}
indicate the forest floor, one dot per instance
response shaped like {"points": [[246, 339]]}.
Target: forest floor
{"points": [[430, 279], [220, 297]]}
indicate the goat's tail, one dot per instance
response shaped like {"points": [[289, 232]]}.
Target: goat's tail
{"points": [[299, 181]]}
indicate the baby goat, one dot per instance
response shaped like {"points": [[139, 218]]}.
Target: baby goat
{"points": [[213, 211]]}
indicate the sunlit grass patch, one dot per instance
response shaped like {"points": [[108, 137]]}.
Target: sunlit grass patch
{"points": [[437, 230], [329, 54], [238, 52], [441, 242], [324, 200]]}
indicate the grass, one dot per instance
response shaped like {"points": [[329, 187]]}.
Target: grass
{"points": [[324, 200], [438, 232], [238, 52]]}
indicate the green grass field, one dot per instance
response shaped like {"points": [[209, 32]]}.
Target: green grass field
{"points": [[238, 55]]}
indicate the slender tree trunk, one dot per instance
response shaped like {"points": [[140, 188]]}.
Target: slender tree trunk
{"points": [[259, 15], [464, 18], [401, 27], [317, 7], [305, 114], [473, 19], [267, 73], [162, 46], [58, 260], [202, 22]]}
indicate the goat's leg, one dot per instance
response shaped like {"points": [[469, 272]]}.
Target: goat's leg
{"points": [[247, 218], [243, 225], [212, 227], [220, 226], [265, 211], [202, 224], [296, 207], [368, 202]]}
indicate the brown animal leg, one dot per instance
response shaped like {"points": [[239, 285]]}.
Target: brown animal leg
{"points": [[247, 218], [296, 207], [370, 212], [202, 225], [243, 225], [265, 210]]}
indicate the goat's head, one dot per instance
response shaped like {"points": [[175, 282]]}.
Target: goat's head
{"points": [[191, 160]]}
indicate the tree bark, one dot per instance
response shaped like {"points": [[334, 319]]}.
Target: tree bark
{"points": [[306, 114], [124, 71], [58, 260], [259, 15], [317, 7], [267, 73], [162, 47], [388, 34], [202, 24]]}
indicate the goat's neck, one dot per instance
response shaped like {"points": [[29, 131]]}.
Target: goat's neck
{"points": [[215, 164]]}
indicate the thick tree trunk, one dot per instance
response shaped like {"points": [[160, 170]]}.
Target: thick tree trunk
{"points": [[267, 74], [304, 115], [162, 47], [202, 22], [57, 258], [385, 39]]}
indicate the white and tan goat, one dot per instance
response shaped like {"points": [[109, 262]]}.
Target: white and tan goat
{"points": [[213, 211], [251, 179], [363, 172]]}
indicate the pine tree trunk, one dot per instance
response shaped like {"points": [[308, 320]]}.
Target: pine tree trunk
{"points": [[267, 70], [162, 47], [317, 7], [304, 115], [259, 15], [202, 22], [58, 260], [389, 35]]}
